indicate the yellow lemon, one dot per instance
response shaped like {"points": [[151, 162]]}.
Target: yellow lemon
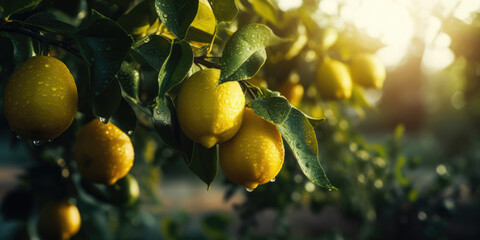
{"points": [[58, 220], [103, 152], [292, 90], [40, 98], [255, 155], [367, 70], [207, 113], [333, 80]]}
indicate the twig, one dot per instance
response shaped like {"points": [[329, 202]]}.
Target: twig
{"points": [[42, 38], [206, 63]]}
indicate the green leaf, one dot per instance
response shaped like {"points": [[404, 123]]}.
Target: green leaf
{"points": [[103, 45], [300, 136], [224, 10], [49, 22], [22, 48], [129, 79], [314, 121], [176, 68], [266, 9], [154, 50], [177, 15], [125, 118], [204, 163], [166, 123], [11, 7], [244, 53], [272, 109], [107, 102]]}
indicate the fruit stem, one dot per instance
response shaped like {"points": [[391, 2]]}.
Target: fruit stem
{"points": [[16, 28], [206, 63]]}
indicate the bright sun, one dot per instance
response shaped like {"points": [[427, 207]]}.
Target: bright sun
{"points": [[397, 22]]}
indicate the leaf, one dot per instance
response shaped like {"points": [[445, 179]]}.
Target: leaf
{"points": [[166, 123], [224, 10], [176, 68], [22, 48], [154, 50], [177, 15], [49, 22], [314, 121], [125, 118], [272, 109], [266, 9], [17, 6], [104, 45], [129, 79], [204, 163], [204, 25], [244, 53], [107, 102], [300, 136]]}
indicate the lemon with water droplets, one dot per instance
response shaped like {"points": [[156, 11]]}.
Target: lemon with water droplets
{"points": [[103, 152], [207, 113], [333, 80], [40, 98], [255, 155], [367, 70], [58, 220]]}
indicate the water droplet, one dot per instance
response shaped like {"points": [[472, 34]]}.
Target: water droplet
{"points": [[47, 65], [329, 189], [108, 48], [165, 15], [19, 137], [92, 59], [130, 132], [249, 189], [37, 142], [103, 120], [50, 140], [273, 180], [40, 83], [54, 89]]}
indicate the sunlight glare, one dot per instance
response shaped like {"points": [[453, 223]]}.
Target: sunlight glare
{"points": [[286, 5]]}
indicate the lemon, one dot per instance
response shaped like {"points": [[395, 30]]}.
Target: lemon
{"points": [[40, 98], [333, 80], [329, 37], [103, 152], [207, 113], [255, 155], [126, 191], [367, 70], [58, 220], [292, 90]]}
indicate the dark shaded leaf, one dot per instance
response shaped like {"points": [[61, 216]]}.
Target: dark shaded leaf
{"points": [[178, 64], [154, 50], [107, 102], [125, 118], [224, 10], [204, 163], [177, 15], [129, 78]]}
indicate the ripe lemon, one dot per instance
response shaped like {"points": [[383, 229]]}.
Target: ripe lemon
{"points": [[333, 80], [40, 98], [367, 70], [255, 155], [292, 90], [58, 220], [103, 152], [207, 113]]}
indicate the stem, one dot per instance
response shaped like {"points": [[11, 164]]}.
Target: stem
{"points": [[249, 90], [206, 63], [38, 36]]}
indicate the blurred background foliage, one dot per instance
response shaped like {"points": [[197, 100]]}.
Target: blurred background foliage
{"points": [[406, 158]]}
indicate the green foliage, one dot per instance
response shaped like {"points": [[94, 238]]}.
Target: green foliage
{"points": [[177, 15], [244, 52]]}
